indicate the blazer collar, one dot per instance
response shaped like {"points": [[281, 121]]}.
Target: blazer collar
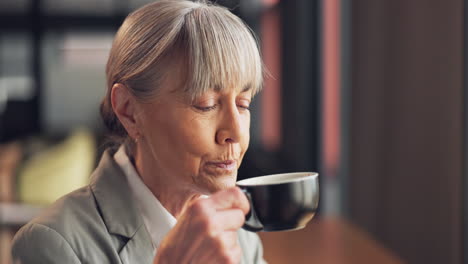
{"points": [[114, 198], [119, 212]]}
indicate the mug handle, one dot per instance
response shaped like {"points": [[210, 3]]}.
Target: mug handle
{"points": [[252, 223]]}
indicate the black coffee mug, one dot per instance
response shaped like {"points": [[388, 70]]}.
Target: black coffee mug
{"points": [[280, 202]]}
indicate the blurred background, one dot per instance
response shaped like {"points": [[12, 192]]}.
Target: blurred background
{"points": [[369, 93]]}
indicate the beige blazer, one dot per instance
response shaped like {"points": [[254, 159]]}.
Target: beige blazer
{"points": [[98, 223]]}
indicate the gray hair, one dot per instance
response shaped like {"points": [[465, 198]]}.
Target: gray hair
{"points": [[215, 49]]}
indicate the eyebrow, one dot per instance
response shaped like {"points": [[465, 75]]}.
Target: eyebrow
{"points": [[246, 88]]}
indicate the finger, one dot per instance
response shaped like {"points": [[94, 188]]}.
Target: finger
{"points": [[232, 198], [220, 249], [229, 240], [232, 255], [235, 254], [232, 219]]}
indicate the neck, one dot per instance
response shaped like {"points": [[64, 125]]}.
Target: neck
{"points": [[174, 196]]}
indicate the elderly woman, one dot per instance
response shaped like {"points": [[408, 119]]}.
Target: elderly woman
{"points": [[181, 76]]}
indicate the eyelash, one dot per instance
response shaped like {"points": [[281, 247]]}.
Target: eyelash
{"points": [[209, 108], [206, 109]]}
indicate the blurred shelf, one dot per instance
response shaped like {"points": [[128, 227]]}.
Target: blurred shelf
{"points": [[17, 214], [59, 22]]}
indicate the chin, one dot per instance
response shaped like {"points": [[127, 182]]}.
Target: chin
{"points": [[220, 183]]}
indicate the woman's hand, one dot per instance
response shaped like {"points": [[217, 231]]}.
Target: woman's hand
{"points": [[207, 231]]}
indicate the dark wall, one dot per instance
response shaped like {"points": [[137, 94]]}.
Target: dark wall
{"points": [[406, 149]]}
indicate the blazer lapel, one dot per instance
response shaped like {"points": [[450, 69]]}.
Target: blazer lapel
{"points": [[119, 212], [133, 253]]}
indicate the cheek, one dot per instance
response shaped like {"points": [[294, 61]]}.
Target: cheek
{"points": [[245, 132], [182, 138], [198, 136]]}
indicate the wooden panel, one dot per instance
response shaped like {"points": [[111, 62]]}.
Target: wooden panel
{"points": [[407, 137]]}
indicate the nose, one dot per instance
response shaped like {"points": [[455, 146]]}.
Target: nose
{"points": [[230, 129]]}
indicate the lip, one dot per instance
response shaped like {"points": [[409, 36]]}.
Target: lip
{"points": [[224, 165]]}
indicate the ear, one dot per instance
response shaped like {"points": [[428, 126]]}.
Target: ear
{"points": [[124, 106]]}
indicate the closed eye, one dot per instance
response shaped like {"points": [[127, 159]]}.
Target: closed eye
{"points": [[205, 108], [244, 107]]}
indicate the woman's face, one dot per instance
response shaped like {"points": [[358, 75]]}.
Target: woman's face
{"points": [[196, 145]]}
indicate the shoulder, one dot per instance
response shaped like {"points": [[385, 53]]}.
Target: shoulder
{"points": [[49, 235], [39, 243], [75, 209], [61, 230]]}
